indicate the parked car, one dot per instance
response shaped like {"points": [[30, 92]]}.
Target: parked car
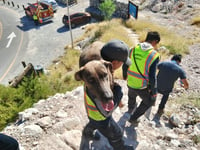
{"points": [[77, 19], [51, 2]]}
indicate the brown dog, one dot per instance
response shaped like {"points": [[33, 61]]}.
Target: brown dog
{"points": [[98, 79], [91, 53]]}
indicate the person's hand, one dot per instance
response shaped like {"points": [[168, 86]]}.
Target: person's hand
{"points": [[121, 104], [153, 99]]}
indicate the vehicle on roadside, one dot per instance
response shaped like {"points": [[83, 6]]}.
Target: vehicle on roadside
{"points": [[78, 18], [43, 11], [52, 2]]}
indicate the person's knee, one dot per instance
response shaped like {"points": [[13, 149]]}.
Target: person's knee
{"points": [[88, 130], [117, 134]]}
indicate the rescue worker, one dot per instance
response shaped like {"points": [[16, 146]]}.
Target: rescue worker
{"points": [[8, 143], [116, 52], [169, 72], [35, 19], [141, 76]]}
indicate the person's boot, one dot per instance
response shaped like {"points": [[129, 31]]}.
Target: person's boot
{"points": [[119, 145], [160, 112], [126, 147]]}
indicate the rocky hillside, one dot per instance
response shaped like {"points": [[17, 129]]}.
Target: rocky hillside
{"points": [[57, 122]]}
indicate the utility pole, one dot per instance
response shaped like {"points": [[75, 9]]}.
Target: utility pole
{"points": [[70, 28]]}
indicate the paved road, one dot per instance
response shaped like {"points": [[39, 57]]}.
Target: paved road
{"points": [[41, 44], [12, 41]]}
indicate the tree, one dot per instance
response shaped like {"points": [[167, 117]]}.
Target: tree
{"points": [[107, 8]]}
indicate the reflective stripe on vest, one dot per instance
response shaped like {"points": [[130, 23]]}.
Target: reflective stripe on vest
{"points": [[144, 61], [50, 10], [91, 109], [34, 17]]}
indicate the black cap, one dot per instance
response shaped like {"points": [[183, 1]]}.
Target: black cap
{"points": [[116, 50]]}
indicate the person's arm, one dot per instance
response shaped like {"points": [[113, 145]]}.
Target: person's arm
{"points": [[152, 77], [125, 67], [124, 71], [185, 83], [117, 94]]}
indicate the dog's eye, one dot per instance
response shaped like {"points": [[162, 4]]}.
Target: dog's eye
{"points": [[103, 75], [91, 80]]}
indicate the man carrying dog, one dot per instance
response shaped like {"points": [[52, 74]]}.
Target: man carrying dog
{"points": [[142, 76], [100, 115]]}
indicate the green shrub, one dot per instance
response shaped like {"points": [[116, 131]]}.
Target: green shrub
{"points": [[107, 8], [15, 100]]}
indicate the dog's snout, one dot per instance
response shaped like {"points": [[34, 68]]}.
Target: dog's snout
{"points": [[108, 95]]}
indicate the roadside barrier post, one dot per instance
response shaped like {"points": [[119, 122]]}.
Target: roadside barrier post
{"points": [[13, 4]]}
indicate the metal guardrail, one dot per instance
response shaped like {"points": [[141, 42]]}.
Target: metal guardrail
{"points": [[11, 3]]}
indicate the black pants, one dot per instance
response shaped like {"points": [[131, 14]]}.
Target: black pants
{"points": [[36, 22], [110, 129], [145, 104], [8, 143], [165, 96]]}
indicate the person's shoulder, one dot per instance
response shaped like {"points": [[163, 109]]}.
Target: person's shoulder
{"points": [[162, 62]]}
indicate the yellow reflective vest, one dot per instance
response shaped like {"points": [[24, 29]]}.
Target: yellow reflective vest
{"points": [[91, 109], [35, 17], [144, 59]]}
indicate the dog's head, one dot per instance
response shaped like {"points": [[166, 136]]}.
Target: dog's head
{"points": [[90, 53], [98, 78]]}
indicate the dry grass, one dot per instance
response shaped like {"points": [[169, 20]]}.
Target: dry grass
{"points": [[192, 99], [174, 43], [62, 72], [196, 21]]}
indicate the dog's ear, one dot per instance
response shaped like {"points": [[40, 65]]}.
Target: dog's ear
{"points": [[110, 72], [78, 74], [108, 65]]}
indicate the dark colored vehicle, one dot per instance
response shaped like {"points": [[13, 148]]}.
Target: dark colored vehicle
{"points": [[77, 19]]}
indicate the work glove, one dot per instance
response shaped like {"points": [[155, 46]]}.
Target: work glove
{"points": [[153, 97]]}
